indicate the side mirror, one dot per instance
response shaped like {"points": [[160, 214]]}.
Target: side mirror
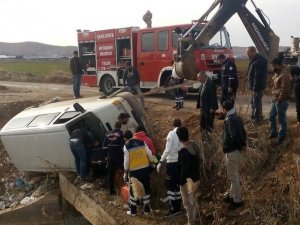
{"points": [[78, 107]]}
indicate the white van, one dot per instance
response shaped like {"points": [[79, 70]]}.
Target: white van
{"points": [[37, 139]]}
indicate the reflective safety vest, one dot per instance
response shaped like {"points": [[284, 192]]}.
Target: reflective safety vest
{"points": [[138, 158]]}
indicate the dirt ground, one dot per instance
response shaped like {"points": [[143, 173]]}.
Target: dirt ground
{"points": [[270, 174]]}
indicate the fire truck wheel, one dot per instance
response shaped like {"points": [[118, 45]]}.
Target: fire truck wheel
{"points": [[106, 84]]}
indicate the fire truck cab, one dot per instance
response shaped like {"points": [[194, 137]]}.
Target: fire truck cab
{"points": [[151, 50]]}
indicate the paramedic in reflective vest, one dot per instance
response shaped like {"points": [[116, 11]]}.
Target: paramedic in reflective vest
{"points": [[170, 155], [229, 79], [79, 140], [137, 161], [114, 142]]}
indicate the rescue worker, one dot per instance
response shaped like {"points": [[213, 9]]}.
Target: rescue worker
{"points": [[179, 94], [114, 143], [137, 161], [170, 156], [229, 78], [189, 167], [77, 69], [234, 141], [79, 141], [131, 79], [257, 82], [295, 77], [140, 134], [179, 98], [280, 101], [127, 122]]}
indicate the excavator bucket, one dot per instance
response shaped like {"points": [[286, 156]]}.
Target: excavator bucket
{"points": [[187, 67]]}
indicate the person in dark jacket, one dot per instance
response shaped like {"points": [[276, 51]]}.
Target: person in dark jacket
{"points": [[207, 102], [233, 142], [295, 77], [257, 82], [229, 78], [77, 69], [79, 141], [131, 79], [114, 143], [189, 175]]}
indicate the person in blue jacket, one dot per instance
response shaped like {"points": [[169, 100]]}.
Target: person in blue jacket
{"points": [[229, 78]]}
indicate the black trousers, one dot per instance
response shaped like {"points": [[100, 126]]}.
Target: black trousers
{"points": [[113, 164], [206, 121], [225, 95], [143, 175], [172, 184]]}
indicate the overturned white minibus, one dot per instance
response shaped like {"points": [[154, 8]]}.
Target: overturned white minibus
{"points": [[37, 139]]}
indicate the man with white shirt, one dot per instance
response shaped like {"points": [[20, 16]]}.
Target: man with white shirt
{"points": [[170, 155]]}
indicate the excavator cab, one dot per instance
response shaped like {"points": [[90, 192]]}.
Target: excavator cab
{"points": [[190, 59], [194, 57]]}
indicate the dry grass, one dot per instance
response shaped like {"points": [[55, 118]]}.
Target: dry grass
{"points": [[258, 160]]}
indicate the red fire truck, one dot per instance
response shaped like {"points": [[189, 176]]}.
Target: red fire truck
{"points": [[151, 50]]}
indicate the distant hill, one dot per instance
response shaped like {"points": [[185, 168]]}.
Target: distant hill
{"points": [[240, 52], [40, 50], [35, 49]]}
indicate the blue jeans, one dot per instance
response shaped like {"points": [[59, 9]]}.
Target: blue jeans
{"points": [[76, 84], [278, 108], [256, 103], [81, 157]]}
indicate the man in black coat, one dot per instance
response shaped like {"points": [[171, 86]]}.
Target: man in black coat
{"points": [[77, 70], [257, 82], [207, 102]]}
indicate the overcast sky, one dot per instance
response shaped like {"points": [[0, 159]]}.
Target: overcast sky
{"points": [[56, 21]]}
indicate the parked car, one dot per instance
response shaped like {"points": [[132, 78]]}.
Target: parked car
{"points": [[37, 139]]}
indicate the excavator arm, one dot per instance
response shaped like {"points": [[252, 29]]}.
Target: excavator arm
{"points": [[260, 32]]}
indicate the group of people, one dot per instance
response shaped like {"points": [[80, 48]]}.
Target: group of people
{"points": [[283, 80], [131, 150], [182, 162]]}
